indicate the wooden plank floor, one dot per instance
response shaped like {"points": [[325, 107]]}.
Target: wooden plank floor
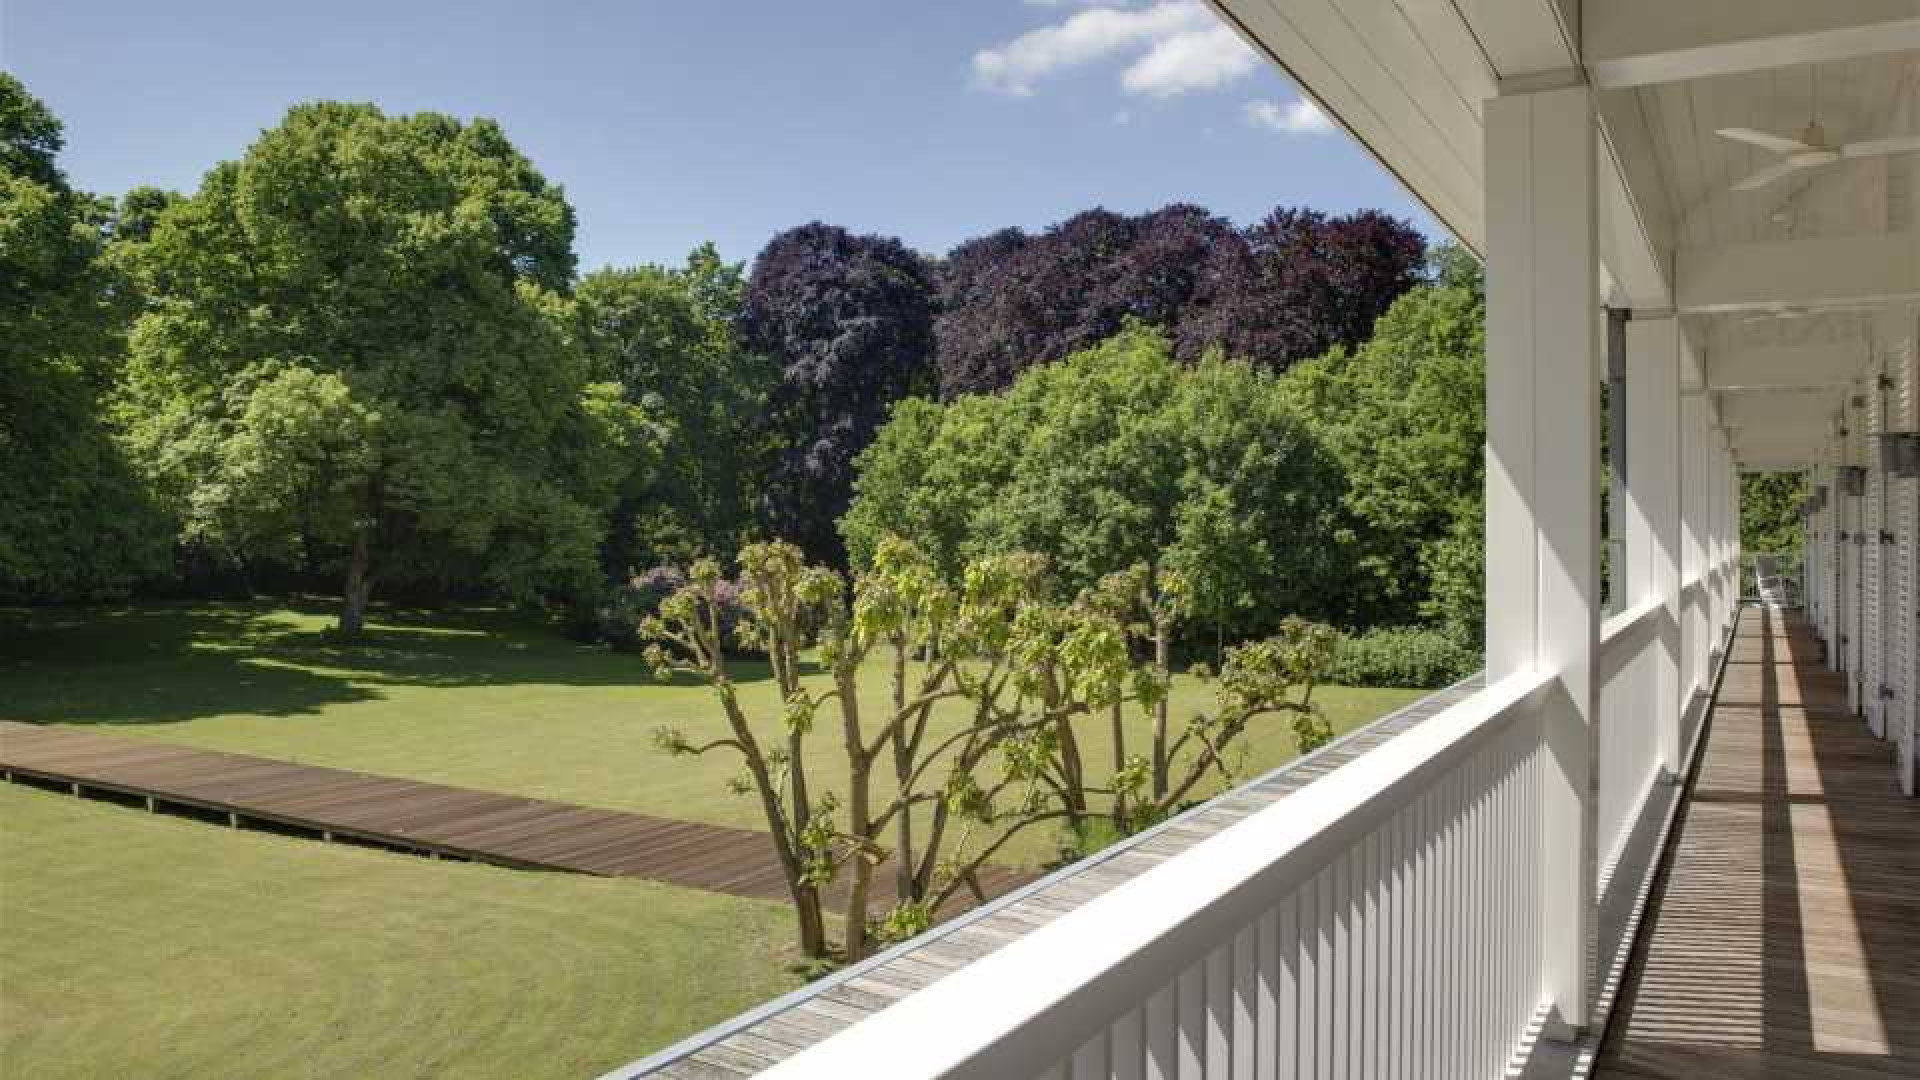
{"points": [[1785, 937], [480, 825]]}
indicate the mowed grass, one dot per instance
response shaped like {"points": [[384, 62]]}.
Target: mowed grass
{"points": [[144, 945], [479, 699]]}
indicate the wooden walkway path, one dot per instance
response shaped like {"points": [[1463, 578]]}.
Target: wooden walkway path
{"points": [[1784, 940], [482, 826]]}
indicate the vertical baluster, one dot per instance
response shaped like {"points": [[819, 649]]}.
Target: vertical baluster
{"points": [[1128, 1047], [1318, 991], [1492, 886], [1340, 1007], [1288, 1003], [1266, 1002], [1219, 991], [1427, 908], [1367, 997], [1480, 775], [1162, 1034], [1508, 883], [1393, 938], [1456, 924], [1246, 950], [1191, 1047], [1093, 1060], [1461, 970]]}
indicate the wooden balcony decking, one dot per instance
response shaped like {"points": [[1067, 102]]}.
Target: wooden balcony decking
{"points": [[1784, 940]]}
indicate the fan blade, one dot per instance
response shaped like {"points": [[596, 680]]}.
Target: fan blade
{"points": [[1779, 144], [1765, 176], [1899, 144]]}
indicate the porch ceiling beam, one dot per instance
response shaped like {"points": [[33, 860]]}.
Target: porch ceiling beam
{"points": [[1636, 229], [1785, 366], [1637, 42], [1813, 273], [1777, 424], [1748, 447]]}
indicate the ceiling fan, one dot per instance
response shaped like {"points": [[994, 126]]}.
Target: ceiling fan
{"points": [[1811, 150]]}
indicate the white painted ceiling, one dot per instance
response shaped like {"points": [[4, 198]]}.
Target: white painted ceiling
{"points": [[1788, 294]]}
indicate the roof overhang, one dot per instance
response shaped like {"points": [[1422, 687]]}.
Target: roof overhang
{"points": [[1830, 256]]}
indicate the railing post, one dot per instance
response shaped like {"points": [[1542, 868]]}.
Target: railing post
{"points": [[1653, 509], [1543, 521]]}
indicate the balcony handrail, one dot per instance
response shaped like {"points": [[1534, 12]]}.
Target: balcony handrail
{"points": [[1035, 1001], [1630, 621]]}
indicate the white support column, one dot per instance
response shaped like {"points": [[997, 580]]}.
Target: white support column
{"points": [[1729, 583], [1653, 508], [1543, 521], [1693, 545]]}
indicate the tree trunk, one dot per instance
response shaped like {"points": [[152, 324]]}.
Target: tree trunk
{"points": [[353, 614], [1162, 659], [813, 922], [859, 815], [904, 857], [1119, 763], [1073, 772]]}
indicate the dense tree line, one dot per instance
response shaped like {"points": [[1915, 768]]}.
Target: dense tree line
{"points": [[1770, 521], [360, 358], [1280, 291], [1346, 489], [74, 518]]}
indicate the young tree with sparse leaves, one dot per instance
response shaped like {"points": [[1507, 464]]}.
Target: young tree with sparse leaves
{"points": [[1023, 671], [1020, 669]]}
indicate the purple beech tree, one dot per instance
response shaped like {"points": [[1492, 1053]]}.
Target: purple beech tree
{"points": [[849, 321], [1286, 289], [1302, 283]]}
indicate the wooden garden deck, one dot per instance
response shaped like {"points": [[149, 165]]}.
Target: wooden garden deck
{"points": [[1785, 935], [436, 819]]}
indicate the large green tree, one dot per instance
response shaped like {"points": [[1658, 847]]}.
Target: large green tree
{"points": [[669, 336], [1116, 456], [1770, 512], [358, 354], [1404, 414], [1200, 487], [74, 520]]}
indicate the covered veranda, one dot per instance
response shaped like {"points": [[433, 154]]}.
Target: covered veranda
{"points": [[1583, 864]]}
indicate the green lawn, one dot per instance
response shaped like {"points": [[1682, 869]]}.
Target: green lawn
{"points": [[478, 699], [144, 945], [139, 944]]}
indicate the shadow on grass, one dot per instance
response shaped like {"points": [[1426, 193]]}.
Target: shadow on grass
{"points": [[162, 664]]}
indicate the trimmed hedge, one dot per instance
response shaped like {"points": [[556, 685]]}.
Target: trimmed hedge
{"points": [[1410, 656]]}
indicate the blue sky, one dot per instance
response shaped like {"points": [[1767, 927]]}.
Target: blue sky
{"points": [[674, 123]]}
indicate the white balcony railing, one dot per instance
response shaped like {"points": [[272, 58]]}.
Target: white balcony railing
{"points": [[1631, 645], [1385, 925]]}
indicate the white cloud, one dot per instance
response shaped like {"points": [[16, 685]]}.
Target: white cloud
{"points": [[1185, 48], [1192, 60], [1293, 118]]}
